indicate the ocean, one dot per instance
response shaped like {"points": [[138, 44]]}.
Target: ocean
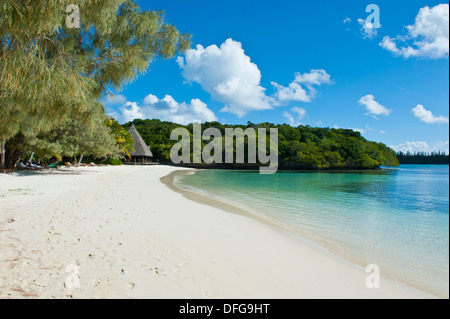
{"points": [[395, 218]]}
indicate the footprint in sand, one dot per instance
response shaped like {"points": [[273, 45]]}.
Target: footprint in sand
{"points": [[158, 271]]}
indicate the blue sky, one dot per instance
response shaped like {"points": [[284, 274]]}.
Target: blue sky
{"points": [[315, 63]]}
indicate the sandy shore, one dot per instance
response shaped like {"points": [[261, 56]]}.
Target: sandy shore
{"points": [[131, 236]]}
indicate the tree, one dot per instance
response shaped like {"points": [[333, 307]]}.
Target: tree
{"points": [[89, 136], [122, 137], [49, 71], [300, 147]]}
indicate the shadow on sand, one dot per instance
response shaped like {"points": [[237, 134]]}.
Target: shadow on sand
{"points": [[51, 171]]}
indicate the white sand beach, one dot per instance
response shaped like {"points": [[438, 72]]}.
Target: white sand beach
{"points": [[131, 236]]}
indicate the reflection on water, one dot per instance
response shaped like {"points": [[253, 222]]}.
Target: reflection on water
{"points": [[396, 218]]}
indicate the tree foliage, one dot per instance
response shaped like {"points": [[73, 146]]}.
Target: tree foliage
{"points": [[423, 158], [88, 136], [302, 147], [50, 74], [123, 139]]}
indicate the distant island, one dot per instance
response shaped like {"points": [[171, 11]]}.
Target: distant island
{"points": [[300, 148], [437, 158]]}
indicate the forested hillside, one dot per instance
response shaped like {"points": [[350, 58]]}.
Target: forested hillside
{"points": [[423, 158], [302, 147]]}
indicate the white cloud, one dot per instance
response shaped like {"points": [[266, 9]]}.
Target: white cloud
{"points": [[420, 146], [114, 99], [166, 109], [294, 119], [228, 74], [360, 130], [428, 37], [427, 116], [368, 29], [347, 21], [130, 111], [295, 91], [314, 77], [151, 99], [373, 107]]}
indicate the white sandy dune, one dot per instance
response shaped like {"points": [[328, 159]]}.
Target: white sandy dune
{"points": [[131, 236]]}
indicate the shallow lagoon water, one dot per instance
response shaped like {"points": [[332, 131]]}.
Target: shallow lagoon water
{"points": [[396, 218]]}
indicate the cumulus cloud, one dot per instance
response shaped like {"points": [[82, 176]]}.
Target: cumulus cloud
{"points": [[427, 116], [166, 109], [420, 146], [368, 29], [296, 92], [360, 130], [314, 77], [428, 37], [114, 99], [230, 76], [151, 99], [129, 112], [373, 107], [295, 118]]}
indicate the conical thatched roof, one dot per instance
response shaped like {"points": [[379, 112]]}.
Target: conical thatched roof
{"points": [[140, 148]]}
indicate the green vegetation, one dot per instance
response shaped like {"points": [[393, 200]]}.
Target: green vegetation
{"points": [[423, 158], [302, 147], [52, 77], [113, 161]]}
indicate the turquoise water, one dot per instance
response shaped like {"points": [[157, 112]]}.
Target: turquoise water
{"points": [[395, 218]]}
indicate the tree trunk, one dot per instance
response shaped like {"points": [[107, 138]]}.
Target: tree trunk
{"points": [[81, 158], [31, 158], [2, 154], [14, 153]]}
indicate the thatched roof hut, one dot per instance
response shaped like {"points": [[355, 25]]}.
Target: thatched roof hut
{"points": [[142, 153]]}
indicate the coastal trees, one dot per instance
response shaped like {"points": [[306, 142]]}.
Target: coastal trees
{"points": [[51, 72], [123, 139], [89, 136], [439, 157], [302, 147]]}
